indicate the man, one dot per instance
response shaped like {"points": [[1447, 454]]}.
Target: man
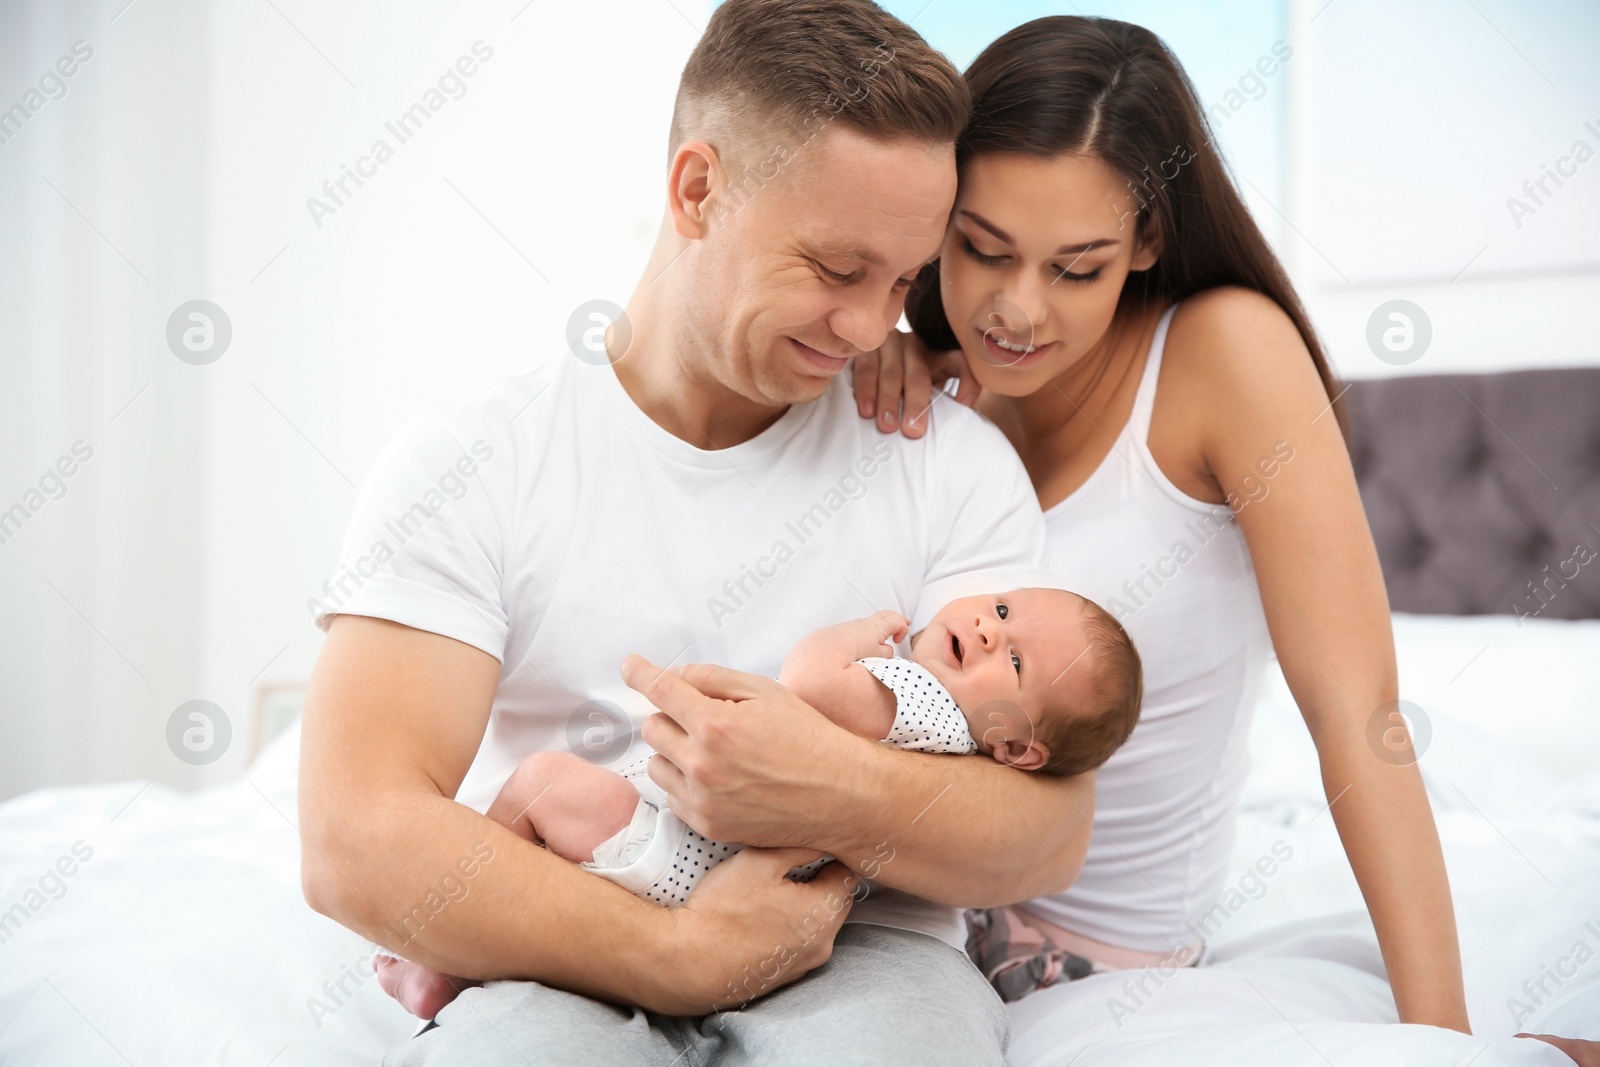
{"points": [[709, 496]]}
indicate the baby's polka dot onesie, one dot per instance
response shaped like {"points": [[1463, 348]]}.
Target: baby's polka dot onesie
{"points": [[926, 718]]}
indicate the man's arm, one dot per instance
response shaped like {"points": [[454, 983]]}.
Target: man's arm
{"points": [[393, 719], [744, 759]]}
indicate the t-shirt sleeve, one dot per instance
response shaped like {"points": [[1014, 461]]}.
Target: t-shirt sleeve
{"points": [[424, 545], [985, 530]]}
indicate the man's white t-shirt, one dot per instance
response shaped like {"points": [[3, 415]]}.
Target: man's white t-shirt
{"points": [[549, 522]]}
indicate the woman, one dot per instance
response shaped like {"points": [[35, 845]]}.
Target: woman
{"points": [[1136, 339]]}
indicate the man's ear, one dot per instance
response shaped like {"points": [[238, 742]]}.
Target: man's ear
{"points": [[1023, 755], [1148, 250], [695, 174]]}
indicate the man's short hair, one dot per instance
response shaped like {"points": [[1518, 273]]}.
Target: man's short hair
{"points": [[1086, 738], [770, 76]]}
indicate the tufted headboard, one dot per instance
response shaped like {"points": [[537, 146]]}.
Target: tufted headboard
{"points": [[1483, 490]]}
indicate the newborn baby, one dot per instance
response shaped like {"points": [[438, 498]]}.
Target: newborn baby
{"points": [[1039, 679]]}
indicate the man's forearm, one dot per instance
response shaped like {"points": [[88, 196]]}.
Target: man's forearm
{"points": [[961, 830], [442, 885]]}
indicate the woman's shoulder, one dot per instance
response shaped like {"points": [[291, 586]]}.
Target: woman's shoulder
{"points": [[1232, 322], [1234, 375], [1238, 344]]}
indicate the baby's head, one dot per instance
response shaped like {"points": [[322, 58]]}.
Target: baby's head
{"points": [[1046, 679]]}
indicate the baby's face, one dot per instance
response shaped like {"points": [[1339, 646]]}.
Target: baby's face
{"points": [[1006, 658]]}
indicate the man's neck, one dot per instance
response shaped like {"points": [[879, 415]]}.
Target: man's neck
{"points": [[701, 411], [689, 403]]}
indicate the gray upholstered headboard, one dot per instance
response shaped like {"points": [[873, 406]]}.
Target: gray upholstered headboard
{"points": [[1483, 490]]}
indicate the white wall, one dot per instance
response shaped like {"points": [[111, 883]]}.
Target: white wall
{"points": [[213, 508], [406, 294], [102, 213], [1410, 126]]}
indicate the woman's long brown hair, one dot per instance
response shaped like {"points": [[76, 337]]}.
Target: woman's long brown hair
{"points": [[1094, 86]]}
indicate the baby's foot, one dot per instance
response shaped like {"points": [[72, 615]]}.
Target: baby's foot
{"points": [[420, 990]]}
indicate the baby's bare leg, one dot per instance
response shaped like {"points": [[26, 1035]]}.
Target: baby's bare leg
{"points": [[553, 798], [565, 803]]}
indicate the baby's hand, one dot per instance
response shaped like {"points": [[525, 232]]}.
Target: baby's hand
{"points": [[873, 635], [822, 654]]}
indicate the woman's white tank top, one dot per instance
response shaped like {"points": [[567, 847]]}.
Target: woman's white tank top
{"points": [[1175, 571]]}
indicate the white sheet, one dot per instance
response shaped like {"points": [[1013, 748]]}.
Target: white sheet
{"points": [[183, 938]]}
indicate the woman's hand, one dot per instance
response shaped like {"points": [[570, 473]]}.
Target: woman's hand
{"points": [[1583, 1053], [895, 384]]}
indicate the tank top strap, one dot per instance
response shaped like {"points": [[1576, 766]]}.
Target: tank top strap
{"points": [[1144, 401]]}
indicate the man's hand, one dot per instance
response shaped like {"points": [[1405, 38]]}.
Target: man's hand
{"points": [[740, 757], [738, 904]]}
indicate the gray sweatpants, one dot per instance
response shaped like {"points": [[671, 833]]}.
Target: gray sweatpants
{"points": [[885, 997]]}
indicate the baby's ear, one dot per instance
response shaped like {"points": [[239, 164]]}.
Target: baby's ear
{"points": [[1023, 755]]}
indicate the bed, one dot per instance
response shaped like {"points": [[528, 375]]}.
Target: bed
{"points": [[142, 926]]}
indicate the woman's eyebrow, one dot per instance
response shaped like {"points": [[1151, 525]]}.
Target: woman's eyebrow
{"points": [[986, 224], [1086, 246], [1064, 250]]}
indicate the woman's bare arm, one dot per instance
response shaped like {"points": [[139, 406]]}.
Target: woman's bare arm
{"points": [[1326, 607]]}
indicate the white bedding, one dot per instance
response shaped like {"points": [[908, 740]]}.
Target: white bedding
{"points": [[182, 938]]}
